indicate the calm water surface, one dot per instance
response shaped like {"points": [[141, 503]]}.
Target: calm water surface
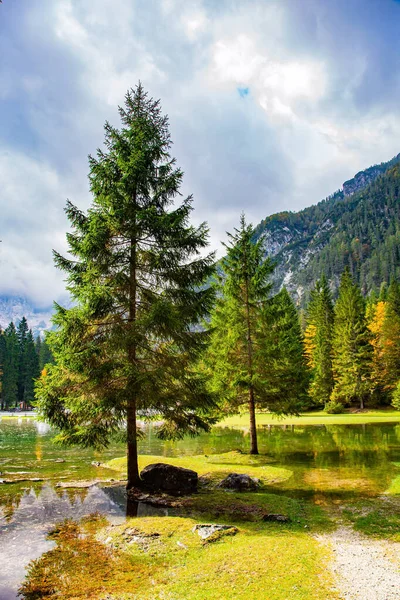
{"points": [[333, 461]]}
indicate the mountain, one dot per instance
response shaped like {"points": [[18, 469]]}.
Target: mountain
{"points": [[14, 308], [358, 226]]}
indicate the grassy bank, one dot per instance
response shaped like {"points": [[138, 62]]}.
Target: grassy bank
{"points": [[315, 418], [163, 558], [215, 466], [151, 558]]}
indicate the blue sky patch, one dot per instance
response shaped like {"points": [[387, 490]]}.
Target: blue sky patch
{"points": [[243, 91]]}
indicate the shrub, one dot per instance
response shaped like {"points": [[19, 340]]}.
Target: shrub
{"points": [[333, 407], [396, 397]]}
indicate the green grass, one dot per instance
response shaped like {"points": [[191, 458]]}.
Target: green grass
{"points": [[16, 416], [394, 488], [378, 517], [150, 558], [153, 558], [215, 466], [315, 418]]}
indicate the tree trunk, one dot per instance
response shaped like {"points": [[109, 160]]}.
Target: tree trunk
{"points": [[131, 508], [252, 408], [132, 455], [253, 429]]}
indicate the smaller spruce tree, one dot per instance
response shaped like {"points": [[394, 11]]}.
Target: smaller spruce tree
{"points": [[351, 347], [318, 338]]}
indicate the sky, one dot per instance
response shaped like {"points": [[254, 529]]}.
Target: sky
{"points": [[272, 105]]}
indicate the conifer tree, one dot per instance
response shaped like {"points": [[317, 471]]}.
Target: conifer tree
{"points": [[22, 335], [351, 347], [11, 363], [136, 277], [38, 346], [2, 359], [280, 350], [32, 370], [43, 351], [233, 357], [318, 338]]}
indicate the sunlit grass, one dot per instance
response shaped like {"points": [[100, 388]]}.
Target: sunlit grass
{"points": [[315, 418], [394, 488], [215, 466], [378, 517]]}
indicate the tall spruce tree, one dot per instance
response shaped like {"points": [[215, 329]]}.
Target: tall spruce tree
{"points": [[32, 370], [38, 346], [2, 359], [318, 336], [11, 364], [233, 357], [43, 351], [351, 347], [22, 335], [136, 277]]}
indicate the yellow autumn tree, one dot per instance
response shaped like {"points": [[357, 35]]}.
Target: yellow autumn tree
{"points": [[384, 325], [310, 344], [376, 315]]}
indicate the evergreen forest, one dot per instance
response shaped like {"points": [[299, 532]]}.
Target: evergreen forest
{"points": [[22, 359]]}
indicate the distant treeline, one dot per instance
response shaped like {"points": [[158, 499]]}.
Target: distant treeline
{"points": [[353, 346], [22, 358]]}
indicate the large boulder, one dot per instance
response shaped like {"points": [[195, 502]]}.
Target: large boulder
{"points": [[240, 482], [167, 478]]}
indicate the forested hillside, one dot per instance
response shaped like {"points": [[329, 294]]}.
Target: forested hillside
{"points": [[358, 227]]}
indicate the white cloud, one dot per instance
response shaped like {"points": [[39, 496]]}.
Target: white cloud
{"points": [[312, 117], [33, 224], [102, 40]]}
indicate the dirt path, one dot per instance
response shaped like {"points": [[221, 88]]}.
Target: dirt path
{"points": [[364, 569]]}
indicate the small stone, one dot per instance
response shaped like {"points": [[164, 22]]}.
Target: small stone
{"points": [[240, 482], [276, 518], [206, 531]]}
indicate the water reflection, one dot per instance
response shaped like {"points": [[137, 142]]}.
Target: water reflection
{"points": [[23, 537], [42, 428]]}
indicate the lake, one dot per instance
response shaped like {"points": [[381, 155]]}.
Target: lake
{"points": [[327, 462]]}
